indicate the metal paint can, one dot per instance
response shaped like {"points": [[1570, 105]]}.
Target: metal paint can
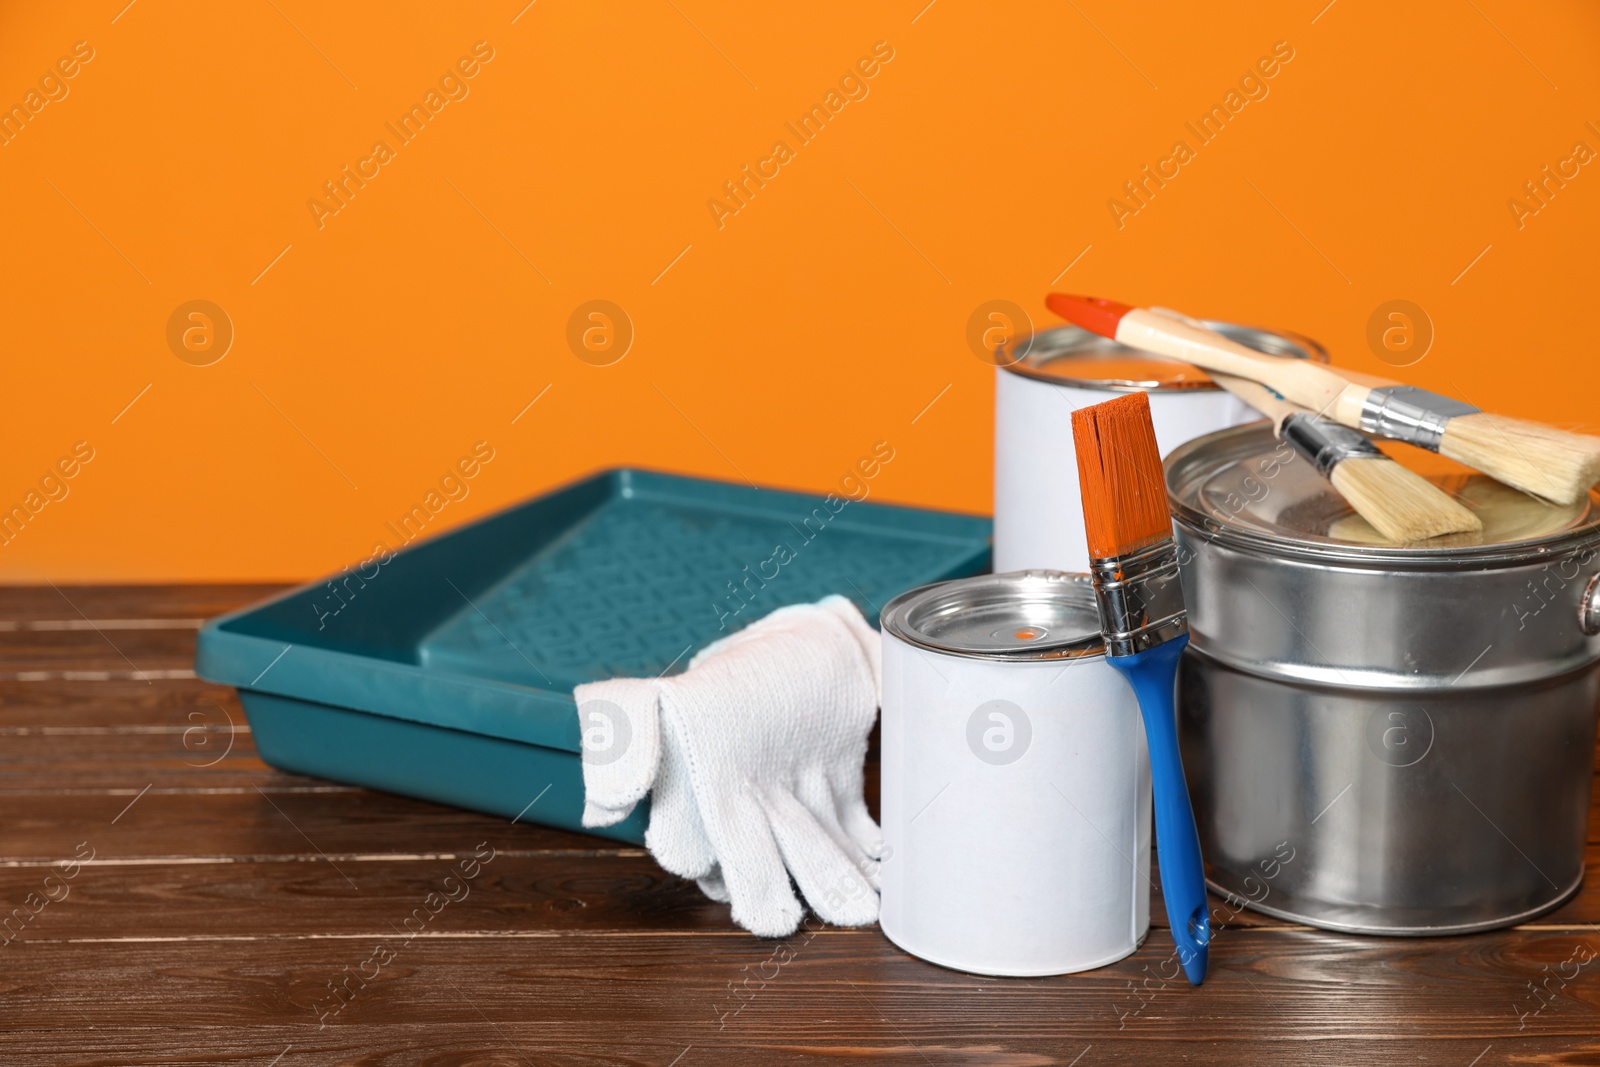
{"points": [[1042, 378], [1416, 722], [1016, 781]]}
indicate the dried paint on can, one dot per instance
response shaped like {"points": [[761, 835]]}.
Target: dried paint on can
{"points": [[1016, 781], [1042, 378]]}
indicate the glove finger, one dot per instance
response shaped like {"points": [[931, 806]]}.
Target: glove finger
{"points": [[676, 836], [751, 865], [870, 641], [619, 731], [713, 886], [817, 795], [864, 831], [850, 801], [832, 885]]}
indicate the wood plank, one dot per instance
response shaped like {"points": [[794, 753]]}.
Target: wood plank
{"points": [[1282, 989], [66, 601], [180, 756], [176, 761], [312, 895], [104, 650], [356, 826], [299, 819], [308, 892], [222, 813], [172, 759], [316, 891], [475, 1043], [333, 825], [167, 702], [305, 888]]}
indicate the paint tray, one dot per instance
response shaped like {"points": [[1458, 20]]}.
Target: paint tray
{"points": [[446, 673]]}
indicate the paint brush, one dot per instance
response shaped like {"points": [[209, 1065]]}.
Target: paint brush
{"points": [[1134, 564], [1400, 504], [1537, 459]]}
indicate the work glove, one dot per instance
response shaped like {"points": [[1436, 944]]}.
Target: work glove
{"points": [[753, 758]]}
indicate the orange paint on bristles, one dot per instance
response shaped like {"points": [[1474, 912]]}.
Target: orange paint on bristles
{"points": [[1119, 470]]}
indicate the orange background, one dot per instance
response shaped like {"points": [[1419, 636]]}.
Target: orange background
{"points": [[823, 317]]}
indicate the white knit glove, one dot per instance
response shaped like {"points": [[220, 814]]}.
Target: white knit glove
{"points": [[755, 755]]}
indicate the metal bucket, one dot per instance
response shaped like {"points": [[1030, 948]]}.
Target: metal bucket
{"points": [[1041, 379], [1417, 721], [1016, 781]]}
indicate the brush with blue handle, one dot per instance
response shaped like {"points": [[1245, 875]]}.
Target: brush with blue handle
{"points": [[1135, 567]]}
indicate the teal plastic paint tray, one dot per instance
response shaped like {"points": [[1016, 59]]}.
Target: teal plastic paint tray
{"points": [[446, 673]]}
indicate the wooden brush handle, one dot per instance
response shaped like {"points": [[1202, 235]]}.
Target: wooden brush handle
{"points": [[1312, 386], [1537, 459], [1371, 381], [1258, 396]]}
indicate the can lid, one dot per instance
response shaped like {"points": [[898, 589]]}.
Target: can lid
{"points": [[1022, 615], [1068, 355], [1243, 486]]}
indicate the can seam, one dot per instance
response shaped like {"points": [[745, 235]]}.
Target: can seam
{"points": [[1416, 685], [1535, 551], [1406, 931]]}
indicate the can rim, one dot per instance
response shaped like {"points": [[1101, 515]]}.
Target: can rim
{"points": [[1284, 343], [1187, 464], [900, 616]]}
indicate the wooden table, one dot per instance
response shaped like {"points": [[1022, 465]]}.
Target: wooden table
{"points": [[235, 914]]}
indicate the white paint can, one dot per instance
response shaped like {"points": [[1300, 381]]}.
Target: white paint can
{"points": [[1042, 378], [1016, 781]]}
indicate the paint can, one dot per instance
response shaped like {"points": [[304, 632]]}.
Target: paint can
{"points": [[1414, 724], [1042, 378], [1016, 781]]}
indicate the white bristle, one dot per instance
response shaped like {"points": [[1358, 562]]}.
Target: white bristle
{"points": [[1399, 503], [1537, 459]]}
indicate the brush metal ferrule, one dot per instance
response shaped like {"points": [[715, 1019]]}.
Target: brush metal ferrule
{"points": [[1325, 444], [1140, 599], [1415, 416]]}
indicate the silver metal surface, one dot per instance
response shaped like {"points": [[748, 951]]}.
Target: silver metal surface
{"points": [[1242, 487], [1410, 813], [1589, 609], [1067, 355], [1017, 616], [1406, 413], [1325, 444], [1416, 722], [1140, 599]]}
